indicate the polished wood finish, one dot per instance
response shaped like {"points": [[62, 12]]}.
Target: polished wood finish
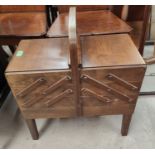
{"points": [[23, 24], [21, 8], [117, 10], [46, 53], [51, 86], [23, 20], [89, 23], [92, 46]]}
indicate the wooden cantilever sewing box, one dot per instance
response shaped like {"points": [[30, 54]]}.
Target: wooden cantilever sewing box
{"points": [[76, 76]]}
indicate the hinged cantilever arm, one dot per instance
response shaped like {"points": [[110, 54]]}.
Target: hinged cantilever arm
{"points": [[94, 94], [56, 85], [54, 100], [122, 82], [31, 87], [106, 87]]}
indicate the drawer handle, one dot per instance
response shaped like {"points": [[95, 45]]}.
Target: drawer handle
{"points": [[53, 101], [106, 88], [94, 94], [32, 86], [122, 82], [56, 85]]}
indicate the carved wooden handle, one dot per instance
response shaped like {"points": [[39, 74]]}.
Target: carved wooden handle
{"points": [[106, 87], [122, 82], [56, 85], [94, 94], [53, 101], [33, 101], [73, 48], [31, 87], [46, 92], [74, 40]]}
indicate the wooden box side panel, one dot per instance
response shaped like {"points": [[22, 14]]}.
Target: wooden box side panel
{"points": [[39, 99], [118, 104]]}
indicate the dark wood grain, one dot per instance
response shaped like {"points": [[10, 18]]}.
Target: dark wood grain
{"points": [[136, 13], [136, 33]]}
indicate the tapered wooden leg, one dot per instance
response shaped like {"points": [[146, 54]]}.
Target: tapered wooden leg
{"points": [[33, 128], [125, 124]]}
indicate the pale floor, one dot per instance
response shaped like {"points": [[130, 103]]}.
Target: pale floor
{"points": [[97, 132]]}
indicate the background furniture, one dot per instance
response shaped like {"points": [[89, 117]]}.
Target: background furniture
{"points": [[22, 22], [136, 16], [151, 39], [91, 20]]}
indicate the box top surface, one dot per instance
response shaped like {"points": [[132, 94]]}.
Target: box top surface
{"points": [[23, 24], [109, 50], [96, 51], [40, 54], [90, 22]]}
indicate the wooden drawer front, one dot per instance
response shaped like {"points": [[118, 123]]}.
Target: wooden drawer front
{"points": [[110, 90], [43, 92]]}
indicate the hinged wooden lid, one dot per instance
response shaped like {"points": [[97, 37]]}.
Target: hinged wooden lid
{"points": [[40, 54], [96, 51], [90, 23], [109, 50]]}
